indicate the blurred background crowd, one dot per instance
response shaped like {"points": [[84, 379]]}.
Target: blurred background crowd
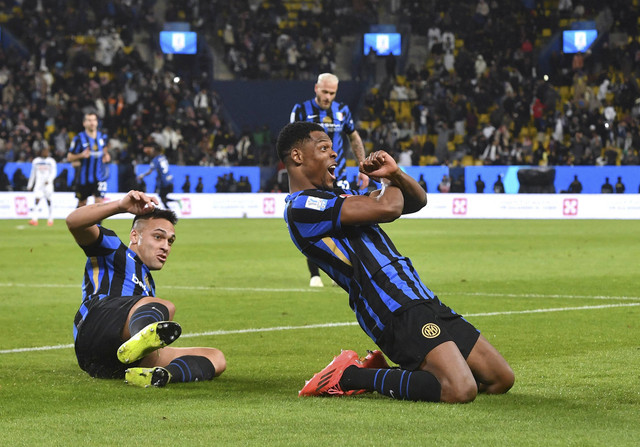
{"points": [[475, 91]]}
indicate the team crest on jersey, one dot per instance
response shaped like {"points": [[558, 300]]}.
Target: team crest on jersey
{"points": [[315, 203], [430, 330], [339, 116]]}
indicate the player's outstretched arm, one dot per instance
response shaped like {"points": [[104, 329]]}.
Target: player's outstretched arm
{"points": [[144, 174], [82, 221]]}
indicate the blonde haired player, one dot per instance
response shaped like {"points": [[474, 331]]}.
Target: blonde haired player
{"points": [[43, 173]]}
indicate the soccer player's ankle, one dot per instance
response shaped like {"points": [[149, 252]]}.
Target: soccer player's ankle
{"points": [[351, 377], [191, 368]]}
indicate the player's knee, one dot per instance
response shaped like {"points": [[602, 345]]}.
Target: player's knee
{"points": [[464, 394], [460, 391], [171, 308], [504, 382], [169, 305], [219, 361]]}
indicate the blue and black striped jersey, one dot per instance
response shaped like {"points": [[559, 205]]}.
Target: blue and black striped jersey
{"points": [[337, 121], [161, 165], [112, 269], [92, 169], [360, 259]]}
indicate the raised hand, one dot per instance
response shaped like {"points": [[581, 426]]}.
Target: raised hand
{"points": [[379, 165], [137, 202]]}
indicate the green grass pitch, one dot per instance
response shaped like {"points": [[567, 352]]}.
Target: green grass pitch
{"points": [[559, 299]]}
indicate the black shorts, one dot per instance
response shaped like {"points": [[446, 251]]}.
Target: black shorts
{"points": [[164, 190], [413, 333], [100, 336], [97, 189]]}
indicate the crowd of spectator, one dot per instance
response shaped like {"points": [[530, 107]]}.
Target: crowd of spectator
{"points": [[261, 41], [482, 98], [478, 96], [80, 55]]}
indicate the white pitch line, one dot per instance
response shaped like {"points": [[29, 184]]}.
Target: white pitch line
{"points": [[551, 309], [326, 325], [229, 289], [540, 295], [337, 289]]}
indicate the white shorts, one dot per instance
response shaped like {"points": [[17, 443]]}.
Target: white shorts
{"points": [[44, 192]]}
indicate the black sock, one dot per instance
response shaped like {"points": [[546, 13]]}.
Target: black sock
{"points": [[147, 314], [394, 382], [313, 268], [191, 368]]}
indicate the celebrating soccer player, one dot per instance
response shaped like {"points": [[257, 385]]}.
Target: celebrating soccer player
{"points": [[122, 329], [442, 357], [336, 119]]}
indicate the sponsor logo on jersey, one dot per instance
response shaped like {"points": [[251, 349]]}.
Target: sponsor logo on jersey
{"points": [[136, 281]]}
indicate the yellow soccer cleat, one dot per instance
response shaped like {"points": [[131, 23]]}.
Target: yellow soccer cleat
{"points": [[146, 377], [154, 336]]}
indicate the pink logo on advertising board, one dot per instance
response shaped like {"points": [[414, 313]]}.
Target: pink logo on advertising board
{"points": [[21, 205], [570, 207], [269, 205], [185, 206], [460, 206]]}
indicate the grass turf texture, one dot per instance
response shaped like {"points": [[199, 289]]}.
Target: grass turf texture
{"points": [[536, 289]]}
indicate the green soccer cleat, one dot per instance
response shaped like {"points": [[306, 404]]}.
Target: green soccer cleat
{"points": [[146, 377], [152, 337]]}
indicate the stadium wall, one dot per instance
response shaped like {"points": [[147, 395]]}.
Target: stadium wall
{"points": [[15, 205], [591, 177]]}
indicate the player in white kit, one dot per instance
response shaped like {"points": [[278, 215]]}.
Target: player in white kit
{"points": [[43, 172]]}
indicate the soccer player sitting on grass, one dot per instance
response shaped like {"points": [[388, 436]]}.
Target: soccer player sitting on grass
{"points": [[442, 357], [121, 329]]}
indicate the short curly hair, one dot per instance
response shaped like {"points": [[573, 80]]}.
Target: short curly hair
{"points": [[292, 134]]}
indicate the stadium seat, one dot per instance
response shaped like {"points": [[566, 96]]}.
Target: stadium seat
{"points": [[467, 160]]}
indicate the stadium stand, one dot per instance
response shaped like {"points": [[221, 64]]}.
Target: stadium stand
{"points": [[482, 83]]}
